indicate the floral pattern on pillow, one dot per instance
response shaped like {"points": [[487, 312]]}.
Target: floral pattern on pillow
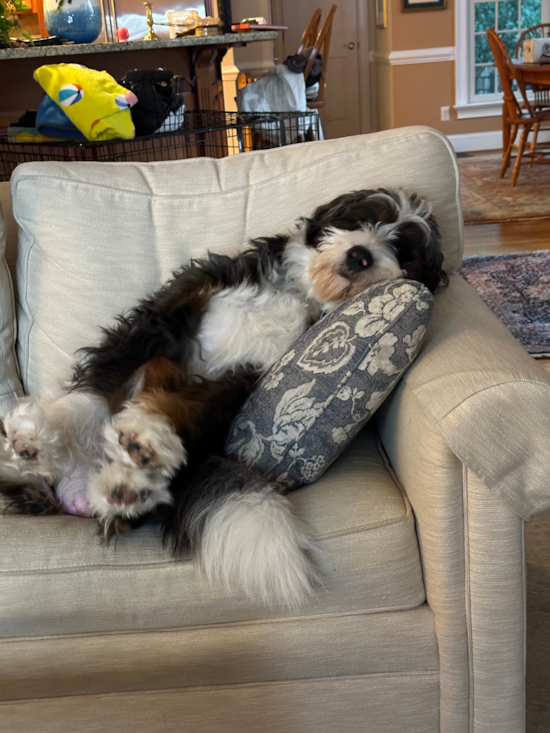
{"points": [[314, 400]]}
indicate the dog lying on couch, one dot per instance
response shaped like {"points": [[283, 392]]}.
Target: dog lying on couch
{"points": [[150, 404]]}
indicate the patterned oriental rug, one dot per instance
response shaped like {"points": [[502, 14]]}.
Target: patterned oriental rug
{"points": [[487, 198], [517, 289]]}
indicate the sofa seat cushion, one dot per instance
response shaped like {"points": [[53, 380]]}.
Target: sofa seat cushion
{"points": [[397, 643], [56, 578]]}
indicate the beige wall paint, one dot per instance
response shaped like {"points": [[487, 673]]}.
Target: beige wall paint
{"points": [[421, 28], [420, 90], [413, 94]]}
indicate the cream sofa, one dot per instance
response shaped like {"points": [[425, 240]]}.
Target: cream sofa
{"points": [[420, 625]]}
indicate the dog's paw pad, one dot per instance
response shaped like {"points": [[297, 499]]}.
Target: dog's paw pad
{"points": [[124, 490], [142, 455], [30, 445], [24, 449], [122, 495], [144, 440]]}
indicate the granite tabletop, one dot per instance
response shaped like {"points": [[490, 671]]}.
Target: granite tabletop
{"points": [[227, 39]]}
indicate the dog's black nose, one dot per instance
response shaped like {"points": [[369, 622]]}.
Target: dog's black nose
{"points": [[359, 258]]}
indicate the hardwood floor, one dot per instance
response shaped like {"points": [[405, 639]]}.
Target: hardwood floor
{"points": [[506, 238]]}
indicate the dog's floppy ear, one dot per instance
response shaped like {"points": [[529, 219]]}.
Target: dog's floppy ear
{"points": [[311, 231], [274, 245], [420, 255]]}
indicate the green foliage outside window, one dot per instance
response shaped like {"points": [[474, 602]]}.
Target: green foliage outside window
{"points": [[510, 18]]}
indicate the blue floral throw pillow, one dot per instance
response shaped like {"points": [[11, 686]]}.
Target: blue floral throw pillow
{"points": [[310, 405]]}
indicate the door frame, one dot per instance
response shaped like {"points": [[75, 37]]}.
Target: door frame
{"points": [[364, 23]]}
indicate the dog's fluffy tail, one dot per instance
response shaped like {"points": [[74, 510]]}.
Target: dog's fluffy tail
{"points": [[244, 533]]}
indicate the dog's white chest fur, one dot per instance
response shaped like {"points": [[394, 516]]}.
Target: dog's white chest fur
{"points": [[248, 324]]}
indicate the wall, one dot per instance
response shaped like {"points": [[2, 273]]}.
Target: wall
{"points": [[257, 57], [411, 93]]}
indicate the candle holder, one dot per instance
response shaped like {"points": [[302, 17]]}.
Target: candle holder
{"points": [[151, 35]]}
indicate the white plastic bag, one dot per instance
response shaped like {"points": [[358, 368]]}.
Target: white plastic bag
{"points": [[280, 90]]}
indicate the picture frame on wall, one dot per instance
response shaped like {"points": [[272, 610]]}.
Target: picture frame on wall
{"points": [[423, 5], [381, 14]]}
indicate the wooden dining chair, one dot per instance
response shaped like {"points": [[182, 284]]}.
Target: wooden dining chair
{"points": [[309, 36], [541, 92], [322, 46], [517, 117]]}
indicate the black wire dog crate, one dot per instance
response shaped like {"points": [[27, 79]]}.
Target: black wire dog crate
{"points": [[200, 134]]}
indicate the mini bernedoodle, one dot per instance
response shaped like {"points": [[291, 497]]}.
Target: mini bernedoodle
{"points": [[143, 422]]}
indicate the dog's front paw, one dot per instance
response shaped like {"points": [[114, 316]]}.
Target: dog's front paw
{"points": [[146, 440], [25, 445], [22, 438], [29, 442], [120, 490]]}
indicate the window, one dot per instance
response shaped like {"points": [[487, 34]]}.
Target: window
{"points": [[509, 18], [477, 84]]}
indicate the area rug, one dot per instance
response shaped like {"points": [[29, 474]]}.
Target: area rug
{"points": [[517, 289], [487, 198]]}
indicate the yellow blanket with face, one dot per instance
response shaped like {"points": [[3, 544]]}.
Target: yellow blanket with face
{"points": [[92, 100]]}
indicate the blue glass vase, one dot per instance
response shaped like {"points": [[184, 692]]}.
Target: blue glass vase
{"points": [[80, 21]]}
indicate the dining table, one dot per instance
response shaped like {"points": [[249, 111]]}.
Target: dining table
{"points": [[525, 74], [532, 73]]}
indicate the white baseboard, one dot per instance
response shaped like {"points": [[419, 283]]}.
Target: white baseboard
{"points": [[485, 141], [413, 56], [479, 109], [476, 141]]}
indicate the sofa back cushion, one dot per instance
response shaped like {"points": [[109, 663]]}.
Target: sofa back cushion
{"points": [[95, 237], [10, 386]]}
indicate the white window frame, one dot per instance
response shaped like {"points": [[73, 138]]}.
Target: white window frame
{"points": [[465, 108]]}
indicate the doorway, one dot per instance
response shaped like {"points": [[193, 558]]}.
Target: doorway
{"points": [[347, 94]]}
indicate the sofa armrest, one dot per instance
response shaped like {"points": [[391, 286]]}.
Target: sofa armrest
{"points": [[489, 400], [466, 433], [471, 547]]}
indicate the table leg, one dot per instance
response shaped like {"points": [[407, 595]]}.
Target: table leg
{"points": [[505, 130]]}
